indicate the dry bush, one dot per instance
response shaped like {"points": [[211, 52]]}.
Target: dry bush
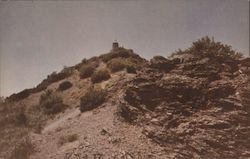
{"points": [[119, 64], [120, 53], [13, 131], [22, 150], [93, 98], [21, 118], [116, 65], [19, 96], [86, 70], [65, 85], [54, 77], [208, 47], [51, 102], [67, 138], [100, 76]]}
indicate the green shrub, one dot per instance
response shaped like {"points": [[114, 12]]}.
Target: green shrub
{"points": [[67, 138], [100, 75], [86, 70], [65, 85], [51, 103], [93, 98]]}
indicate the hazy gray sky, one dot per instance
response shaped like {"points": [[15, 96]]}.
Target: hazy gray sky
{"points": [[39, 37]]}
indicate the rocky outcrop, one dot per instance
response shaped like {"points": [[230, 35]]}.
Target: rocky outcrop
{"points": [[198, 110], [161, 63]]}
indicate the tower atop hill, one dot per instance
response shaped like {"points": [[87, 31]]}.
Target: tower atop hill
{"points": [[115, 45]]}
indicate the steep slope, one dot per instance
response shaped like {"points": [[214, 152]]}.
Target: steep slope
{"points": [[99, 131], [194, 104]]}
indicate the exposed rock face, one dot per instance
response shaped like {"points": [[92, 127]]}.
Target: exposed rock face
{"points": [[192, 112], [161, 63]]}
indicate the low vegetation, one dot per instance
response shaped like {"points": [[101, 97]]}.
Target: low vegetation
{"points": [[14, 128], [21, 118], [22, 150], [93, 98], [53, 77], [116, 65], [51, 102], [120, 53], [67, 139], [86, 70], [208, 47], [119, 64], [19, 96], [65, 85], [100, 76]]}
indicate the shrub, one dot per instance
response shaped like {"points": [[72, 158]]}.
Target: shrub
{"points": [[22, 150], [51, 103], [116, 65], [21, 118], [84, 61], [19, 96], [86, 71], [65, 85], [93, 98], [131, 64], [109, 56], [119, 53], [54, 77], [100, 75], [206, 47], [67, 138]]}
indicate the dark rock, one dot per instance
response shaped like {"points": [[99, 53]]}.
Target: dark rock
{"points": [[161, 63]]}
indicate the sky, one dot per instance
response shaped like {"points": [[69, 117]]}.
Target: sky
{"points": [[39, 37]]}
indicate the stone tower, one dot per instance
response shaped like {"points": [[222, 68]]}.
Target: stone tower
{"points": [[115, 45]]}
